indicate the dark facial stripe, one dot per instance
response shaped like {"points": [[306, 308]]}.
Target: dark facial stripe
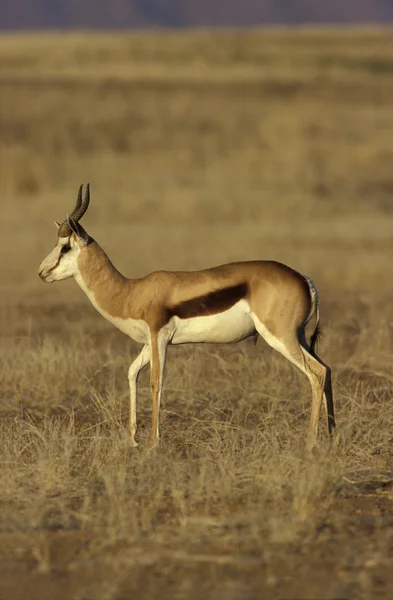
{"points": [[210, 304], [53, 267]]}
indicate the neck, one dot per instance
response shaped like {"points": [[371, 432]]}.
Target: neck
{"points": [[106, 288]]}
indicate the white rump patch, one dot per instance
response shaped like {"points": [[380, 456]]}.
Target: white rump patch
{"points": [[313, 289]]}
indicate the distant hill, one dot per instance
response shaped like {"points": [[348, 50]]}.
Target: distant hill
{"points": [[113, 14]]}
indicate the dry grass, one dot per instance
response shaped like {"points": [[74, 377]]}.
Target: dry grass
{"points": [[201, 149]]}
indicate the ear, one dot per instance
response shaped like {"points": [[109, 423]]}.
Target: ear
{"points": [[81, 235], [58, 225]]}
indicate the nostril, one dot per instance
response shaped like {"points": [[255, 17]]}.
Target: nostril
{"points": [[41, 274]]}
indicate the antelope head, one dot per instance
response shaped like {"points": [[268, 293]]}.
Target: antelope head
{"points": [[62, 262]]}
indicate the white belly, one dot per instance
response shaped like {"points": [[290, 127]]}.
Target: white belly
{"points": [[232, 325]]}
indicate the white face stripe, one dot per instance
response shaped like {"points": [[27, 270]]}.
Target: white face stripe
{"points": [[58, 265]]}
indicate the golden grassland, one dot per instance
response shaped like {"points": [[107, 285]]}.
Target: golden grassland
{"points": [[200, 148]]}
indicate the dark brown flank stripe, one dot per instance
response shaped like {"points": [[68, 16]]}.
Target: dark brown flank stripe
{"points": [[210, 304]]}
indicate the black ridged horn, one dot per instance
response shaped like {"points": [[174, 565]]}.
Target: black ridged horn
{"points": [[81, 207], [78, 212]]}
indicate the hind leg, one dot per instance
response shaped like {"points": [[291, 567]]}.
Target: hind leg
{"points": [[316, 373], [327, 393], [328, 398], [290, 347], [329, 405]]}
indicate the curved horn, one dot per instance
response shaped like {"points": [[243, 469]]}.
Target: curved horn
{"points": [[81, 207], [78, 212], [78, 200]]}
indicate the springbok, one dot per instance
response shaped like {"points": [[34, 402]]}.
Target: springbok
{"points": [[222, 304]]}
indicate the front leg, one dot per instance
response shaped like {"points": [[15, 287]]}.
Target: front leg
{"points": [[141, 361], [158, 348]]}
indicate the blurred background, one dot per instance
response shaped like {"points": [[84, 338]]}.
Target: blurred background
{"points": [[207, 134], [210, 131], [103, 14]]}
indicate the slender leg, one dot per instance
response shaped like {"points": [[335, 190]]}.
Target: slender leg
{"points": [[329, 404], [328, 399], [159, 343], [291, 348], [316, 373], [327, 392], [141, 361]]}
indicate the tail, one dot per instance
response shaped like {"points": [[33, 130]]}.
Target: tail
{"points": [[316, 336], [314, 309]]}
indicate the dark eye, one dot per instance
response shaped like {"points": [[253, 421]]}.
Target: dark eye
{"points": [[66, 248]]}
